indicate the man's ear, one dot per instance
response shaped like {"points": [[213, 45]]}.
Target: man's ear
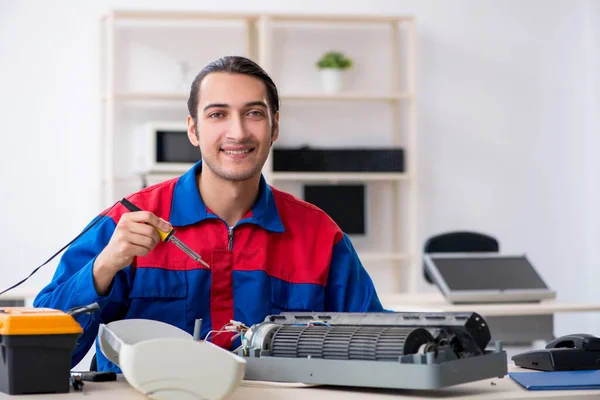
{"points": [[191, 131], [275, 129]]}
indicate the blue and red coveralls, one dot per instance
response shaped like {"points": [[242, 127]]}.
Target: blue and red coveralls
{"points": [[283, 255]]}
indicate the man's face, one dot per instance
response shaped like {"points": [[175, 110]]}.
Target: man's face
{"points": [[233, 125]]}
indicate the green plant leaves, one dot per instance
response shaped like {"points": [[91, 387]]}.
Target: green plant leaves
{"points": [[334, 59]]}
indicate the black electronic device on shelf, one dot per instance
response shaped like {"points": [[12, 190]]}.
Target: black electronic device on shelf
{"points": [[308, 159]]}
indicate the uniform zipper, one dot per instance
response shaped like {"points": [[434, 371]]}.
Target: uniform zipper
{"points": [[230, 239]]}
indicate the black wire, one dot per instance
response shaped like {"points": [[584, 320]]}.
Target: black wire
{"points": [[89, 309], [61, 250]]}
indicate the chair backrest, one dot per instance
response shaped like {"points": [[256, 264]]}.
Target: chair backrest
{"points": [[93, 364], [459, 242]]}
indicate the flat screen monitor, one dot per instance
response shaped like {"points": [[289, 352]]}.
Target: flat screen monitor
{"points": [[486, 278], [345, 204]]}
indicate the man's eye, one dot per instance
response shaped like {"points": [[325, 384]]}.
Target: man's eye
{"points": [[255, 113], [215, 115]]}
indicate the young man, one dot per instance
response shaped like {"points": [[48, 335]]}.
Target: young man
{"points": [[267, 251]]}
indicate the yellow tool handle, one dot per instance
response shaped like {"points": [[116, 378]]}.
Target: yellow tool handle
{"points": [[168, 236], [132, 207], [165, 235]]}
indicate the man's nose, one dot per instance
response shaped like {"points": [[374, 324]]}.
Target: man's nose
{"points": [[237, 129]]}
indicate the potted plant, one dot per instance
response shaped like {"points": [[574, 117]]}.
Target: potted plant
{"points": [[332, 65]]}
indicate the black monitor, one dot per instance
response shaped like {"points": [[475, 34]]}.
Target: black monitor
{"points": [[174, 147], [345, 204]]}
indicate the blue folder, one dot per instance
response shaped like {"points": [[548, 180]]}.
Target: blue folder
{"points": [[560, 380]]}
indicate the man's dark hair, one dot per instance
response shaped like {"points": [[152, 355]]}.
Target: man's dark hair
{"points": [[234, 65]]}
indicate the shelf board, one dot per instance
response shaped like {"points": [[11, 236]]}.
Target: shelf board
{"points": [[179, 15], [289, 176], [284, 176], [340, 176], [291, 17], [344, 96], [379, 257], [152, 96], [347, 96], [348, 18]]}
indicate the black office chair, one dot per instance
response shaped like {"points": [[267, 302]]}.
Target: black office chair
{"points": [[459, 242]]}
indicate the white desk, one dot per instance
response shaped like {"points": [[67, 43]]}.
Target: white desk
{"points": [[437, 302], [516, 323], [492, 389]]}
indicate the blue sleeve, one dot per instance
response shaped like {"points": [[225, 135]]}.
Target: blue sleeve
{"points": [[73, 285], [349, 286]]}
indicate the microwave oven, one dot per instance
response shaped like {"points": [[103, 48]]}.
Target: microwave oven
{"points": [[168, 148]]}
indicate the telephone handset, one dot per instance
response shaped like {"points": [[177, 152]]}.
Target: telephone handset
{"points": [[576, 341], [578, 351]]}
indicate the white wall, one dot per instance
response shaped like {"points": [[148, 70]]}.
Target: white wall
{"points": [[592, 139], [503, 92]]}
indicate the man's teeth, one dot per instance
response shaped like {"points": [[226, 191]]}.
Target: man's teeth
{"points": [[237, 151]]}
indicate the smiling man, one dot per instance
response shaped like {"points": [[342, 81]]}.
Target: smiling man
{"points": [[267, 251]]}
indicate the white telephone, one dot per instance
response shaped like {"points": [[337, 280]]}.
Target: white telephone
{"points": [[164, 362]]}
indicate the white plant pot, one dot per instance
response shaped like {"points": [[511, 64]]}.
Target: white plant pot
{"points": [[332, 80]]}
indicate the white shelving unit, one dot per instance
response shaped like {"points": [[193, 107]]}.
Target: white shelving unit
{"points": [[259, 37]]}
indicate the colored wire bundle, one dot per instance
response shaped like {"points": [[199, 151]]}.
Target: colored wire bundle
{"points": [[233, 326]]}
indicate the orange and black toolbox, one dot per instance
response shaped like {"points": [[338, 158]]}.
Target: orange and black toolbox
{"points": [[36, 350]]}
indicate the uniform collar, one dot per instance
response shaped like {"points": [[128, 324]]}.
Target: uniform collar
{"points": [[188, 208]]}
